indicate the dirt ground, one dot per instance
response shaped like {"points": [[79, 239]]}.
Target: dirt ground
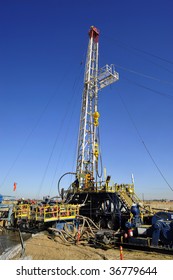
{"points": [[42, 247], [164, 205]]}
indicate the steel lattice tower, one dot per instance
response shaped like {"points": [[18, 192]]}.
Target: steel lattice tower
{"points": [[94, 80]]}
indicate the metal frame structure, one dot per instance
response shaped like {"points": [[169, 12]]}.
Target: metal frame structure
{"points": [[88, 139]]}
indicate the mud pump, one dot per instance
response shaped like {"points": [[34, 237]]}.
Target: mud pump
{"points": [[157, 234]]}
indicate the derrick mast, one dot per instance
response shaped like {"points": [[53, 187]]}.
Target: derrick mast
{"points": [[88, 140], [87, 131]]}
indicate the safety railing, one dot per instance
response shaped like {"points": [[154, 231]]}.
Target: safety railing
{"points": [[46, 213], [56, 212], [22, 211], [107, 75]]}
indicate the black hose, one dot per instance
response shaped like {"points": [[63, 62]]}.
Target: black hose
{"points": [[67, 173]]}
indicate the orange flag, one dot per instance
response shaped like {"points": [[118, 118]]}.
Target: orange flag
{"points": [[14, 186]]}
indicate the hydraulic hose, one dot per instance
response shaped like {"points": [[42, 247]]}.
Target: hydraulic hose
{"points": [[67, 173]]}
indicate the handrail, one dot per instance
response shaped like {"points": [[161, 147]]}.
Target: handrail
{"points": [[46, 213]]}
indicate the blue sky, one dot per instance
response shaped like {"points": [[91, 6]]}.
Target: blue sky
{"points": [[42, 54]]}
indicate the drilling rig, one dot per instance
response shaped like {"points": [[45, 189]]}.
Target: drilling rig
{"points": [[118, 213], [116, 206], [97, 199]]}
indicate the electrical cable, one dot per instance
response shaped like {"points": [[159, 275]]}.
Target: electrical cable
{"points": [[149, 89], [58, 135], [145, 146], [32, 130], [73, 98], [143, 75], [127, 46]]}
